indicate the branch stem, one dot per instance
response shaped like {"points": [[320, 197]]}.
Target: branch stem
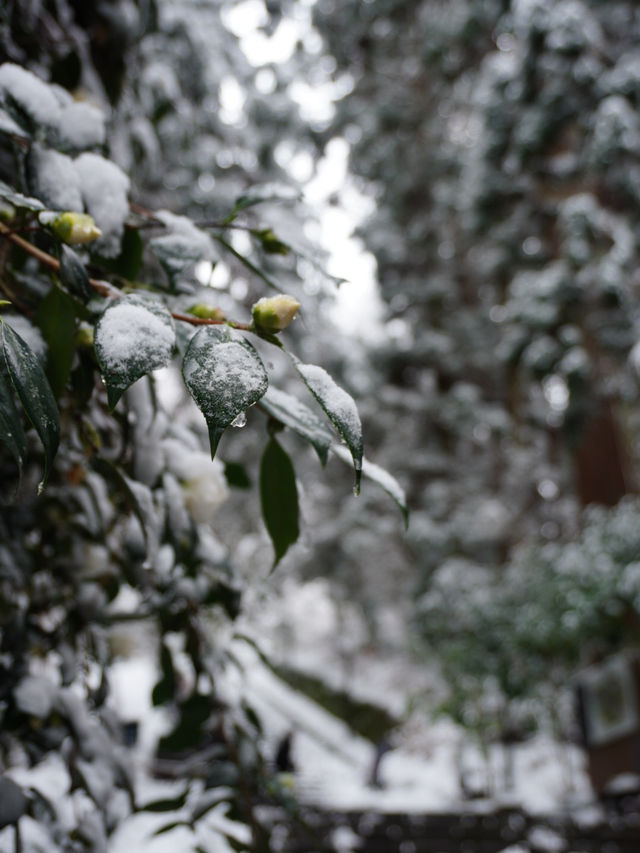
{"points": [[104, 288]]}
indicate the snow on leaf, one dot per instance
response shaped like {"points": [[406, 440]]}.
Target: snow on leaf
{"points": [[81, 126], [224, 375], [55, 179], [182, 245], [35, 695], [297, 416], [133, 337], [339, 408], [34, 98], [18, 199], [105, 189]]}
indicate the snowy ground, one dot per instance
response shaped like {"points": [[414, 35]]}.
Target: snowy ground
{"points": [[332, 764]]}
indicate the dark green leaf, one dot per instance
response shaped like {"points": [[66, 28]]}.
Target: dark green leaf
{"points": [[222, 774], [380, 476], [56, 318], [189, 730], [173, 825], [236, 475], [279, 498], [224, 375], [18, 199], [73, 273], [165, 690], [339, 408], [11, 431], [129, 261], [179, 250], [294, 414], [133, 336], [171, 804], [13, 802], [30, 383]]}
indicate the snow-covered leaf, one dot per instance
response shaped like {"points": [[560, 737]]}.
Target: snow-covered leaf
{"points": [[279, 499], [378, 475], [339, 408], [18, 199], [34, 392], [171, 804], [224, 375], [35, 695], [133, 337], [182, 246], [297, 416]]}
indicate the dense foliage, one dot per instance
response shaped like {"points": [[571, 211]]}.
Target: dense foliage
{"points": [[110, 493], [500, 142]]}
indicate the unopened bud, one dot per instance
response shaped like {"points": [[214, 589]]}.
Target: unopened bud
{"points": [[206, 312], [274, 313], [84, 336], [75, 228]]}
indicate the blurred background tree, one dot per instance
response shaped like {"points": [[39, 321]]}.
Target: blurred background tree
{"points": [[500, 143]]}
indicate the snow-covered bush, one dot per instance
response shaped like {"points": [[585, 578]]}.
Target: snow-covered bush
{"points": [[109, 499]]}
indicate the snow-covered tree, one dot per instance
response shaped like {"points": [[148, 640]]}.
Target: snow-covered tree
{"points": [[499, 141]]}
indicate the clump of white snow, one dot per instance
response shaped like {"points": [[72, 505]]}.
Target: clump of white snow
{"points": [[57, 182], [74, 124], [81, 126], [105, 189], [35, 97], [128, 329]]}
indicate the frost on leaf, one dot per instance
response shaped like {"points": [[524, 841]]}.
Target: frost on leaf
{"points": [[182, 245], [133, 337], [339, 408], [224, 375], [294, 414]]}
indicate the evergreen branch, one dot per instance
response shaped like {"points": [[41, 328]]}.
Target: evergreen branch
{"points": [[104, 288]]}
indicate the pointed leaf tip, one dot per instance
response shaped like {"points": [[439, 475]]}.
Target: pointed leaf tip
{"points": [[339, 407], [225, 376]]}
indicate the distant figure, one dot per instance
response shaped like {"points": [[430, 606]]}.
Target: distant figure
{"points": [[284, 762], [382, 748]]}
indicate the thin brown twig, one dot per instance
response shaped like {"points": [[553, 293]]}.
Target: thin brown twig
{"points": [[104, 288]]}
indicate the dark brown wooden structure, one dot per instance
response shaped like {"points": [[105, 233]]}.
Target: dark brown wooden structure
{"points": [[609, 712]]}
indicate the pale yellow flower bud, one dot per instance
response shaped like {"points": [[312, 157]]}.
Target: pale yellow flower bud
{"points": [[75, 228], [274, 313]]}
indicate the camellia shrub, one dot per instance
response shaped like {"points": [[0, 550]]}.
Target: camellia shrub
{"points": [[108, 498]]}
